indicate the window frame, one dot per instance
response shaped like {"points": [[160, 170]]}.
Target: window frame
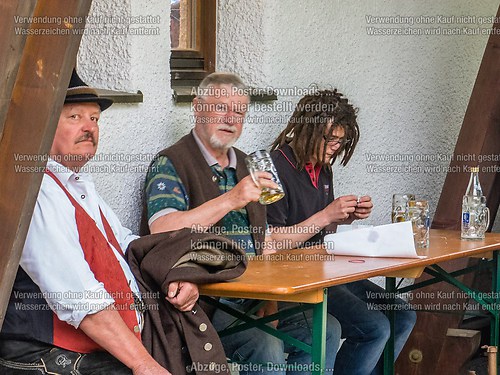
{"points": [[189, 67]]}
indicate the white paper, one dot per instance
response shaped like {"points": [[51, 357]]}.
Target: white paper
{"points": [[391, 240], [353, 226]]}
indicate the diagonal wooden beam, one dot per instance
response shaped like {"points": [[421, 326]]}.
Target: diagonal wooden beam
{"points": [[11, 47], [479, 138], [426, 351], [48, 58]]}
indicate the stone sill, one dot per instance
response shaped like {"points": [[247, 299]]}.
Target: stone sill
{"points": [[121, 96]]}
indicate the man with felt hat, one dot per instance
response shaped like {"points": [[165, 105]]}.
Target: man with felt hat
{"points": [[75, 305]]}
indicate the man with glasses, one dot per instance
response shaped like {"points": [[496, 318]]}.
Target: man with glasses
{"points": [[323, 128], [201, 182]]}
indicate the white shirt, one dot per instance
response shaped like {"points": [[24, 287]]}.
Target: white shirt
{"points": [[52, 254]]}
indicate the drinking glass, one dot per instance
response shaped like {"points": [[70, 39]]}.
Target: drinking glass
{"points": [[400, 206], [475, 217], [260, 161], [420, 220]]}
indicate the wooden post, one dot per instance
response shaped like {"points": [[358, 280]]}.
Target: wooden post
{"points": [[479, 138], [31, 115], [11, 47]]}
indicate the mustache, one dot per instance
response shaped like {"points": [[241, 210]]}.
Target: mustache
{"points": [[87, 136], [226, 128]]}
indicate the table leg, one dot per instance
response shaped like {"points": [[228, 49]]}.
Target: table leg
{"points": [[495, 313], [390, 289], [319, 336]]}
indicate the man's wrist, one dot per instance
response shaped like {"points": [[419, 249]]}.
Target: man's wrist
{"points": [[324, 219]]}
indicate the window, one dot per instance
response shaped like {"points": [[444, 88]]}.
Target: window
{"points": [[193, 38]]}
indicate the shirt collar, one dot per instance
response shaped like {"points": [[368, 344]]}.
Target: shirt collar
{"points": [[312, 170], [287, 152], [64, 174], [211, 161]]}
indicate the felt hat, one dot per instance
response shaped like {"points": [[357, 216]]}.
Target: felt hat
{"points": [[80, 92]]}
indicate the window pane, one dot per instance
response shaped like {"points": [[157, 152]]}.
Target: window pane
{"points": [[182, 24]]}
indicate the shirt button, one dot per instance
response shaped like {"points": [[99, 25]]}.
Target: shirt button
{"points": [[77, 178], [207, 347], [202, 327], [82, 196]]}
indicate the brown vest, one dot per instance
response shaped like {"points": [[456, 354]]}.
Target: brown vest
{"points": [[197, 178]]}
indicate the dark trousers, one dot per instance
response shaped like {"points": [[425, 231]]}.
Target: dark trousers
{"points": [[31, 357]]}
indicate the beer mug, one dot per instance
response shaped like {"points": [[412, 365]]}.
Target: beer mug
{"points": [[400, 206], [475, 217], [418, 213], [260, 161]]}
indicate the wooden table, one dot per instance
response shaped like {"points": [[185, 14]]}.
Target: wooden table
{"points": [[303, 276]]}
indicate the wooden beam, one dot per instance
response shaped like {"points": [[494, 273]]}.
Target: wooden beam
{"points": [[11, 47], [47, 60], [479, 137]]}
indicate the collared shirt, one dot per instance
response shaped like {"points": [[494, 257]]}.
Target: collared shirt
{"points": [[307, 191], [211, 161], [52, 254], [165, 193]]}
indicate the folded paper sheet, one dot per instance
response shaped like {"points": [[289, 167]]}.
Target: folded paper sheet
{"points": [[391, 240]]}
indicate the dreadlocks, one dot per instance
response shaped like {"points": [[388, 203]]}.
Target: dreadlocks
{"points": [[309, 123]]}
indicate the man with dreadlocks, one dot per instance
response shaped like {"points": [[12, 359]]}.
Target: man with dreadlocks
{"points": [[323, 128]]}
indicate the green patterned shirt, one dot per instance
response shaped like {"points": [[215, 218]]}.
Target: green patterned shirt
{"points": [[165, 193]]}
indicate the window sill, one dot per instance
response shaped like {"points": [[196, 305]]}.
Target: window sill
{"points": [[185, 94], [121, 96]]}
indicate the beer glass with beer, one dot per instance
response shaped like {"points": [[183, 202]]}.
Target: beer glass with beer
{"points": [[260, 161]]}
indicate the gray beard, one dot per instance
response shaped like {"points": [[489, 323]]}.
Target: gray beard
{"points": [[219, 145]]}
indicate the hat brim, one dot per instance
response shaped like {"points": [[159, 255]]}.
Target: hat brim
{"points": [[104, 103]]}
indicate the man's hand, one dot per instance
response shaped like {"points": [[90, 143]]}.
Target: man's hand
{"points": [[247, 191], [182, 295], [363, 208], [108, 329], [150, 369], [340, 209], [269, 308]]}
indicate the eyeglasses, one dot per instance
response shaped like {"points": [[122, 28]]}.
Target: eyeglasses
{"points": [[336, 140]]}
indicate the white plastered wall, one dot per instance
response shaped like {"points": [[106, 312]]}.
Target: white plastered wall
{"points": [[411, 91]]}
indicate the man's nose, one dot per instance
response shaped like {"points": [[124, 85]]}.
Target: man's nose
{"points": [[229, 118], [89, 125]]}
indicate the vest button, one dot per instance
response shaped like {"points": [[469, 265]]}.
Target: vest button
{"points": [[137, 329], [202, 327], [207, 347]]}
